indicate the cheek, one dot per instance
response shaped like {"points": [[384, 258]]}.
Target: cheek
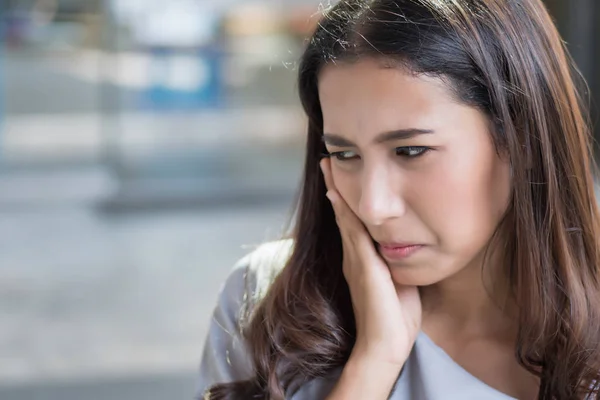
{"points": [[463, 200]]}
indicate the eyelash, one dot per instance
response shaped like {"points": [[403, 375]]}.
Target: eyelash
{"points": [[339, 155]]}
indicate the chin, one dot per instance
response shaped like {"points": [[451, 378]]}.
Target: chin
{"points": [[416, 276]]}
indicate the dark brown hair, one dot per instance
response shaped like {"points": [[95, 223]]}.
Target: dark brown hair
{"points": [[505, 58]]}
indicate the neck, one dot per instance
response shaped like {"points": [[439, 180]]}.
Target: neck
{"points": [[473, 302]]}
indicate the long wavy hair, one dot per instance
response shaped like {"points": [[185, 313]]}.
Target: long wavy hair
{"points": [[505, 58]]}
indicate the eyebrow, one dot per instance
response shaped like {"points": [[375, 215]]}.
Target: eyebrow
{"points": [[333, 139]]}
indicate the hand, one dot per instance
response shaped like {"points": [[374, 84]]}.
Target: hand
{"points": [[388, 315]]}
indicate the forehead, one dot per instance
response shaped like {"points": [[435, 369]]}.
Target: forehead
{"points": [[370, 93], [362, 99]]}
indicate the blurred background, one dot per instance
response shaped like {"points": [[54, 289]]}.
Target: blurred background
{"points": [[144, 146]]}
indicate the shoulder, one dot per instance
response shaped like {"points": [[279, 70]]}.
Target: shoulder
{"points": [[252, 276], [264, 264], [226, 357]]}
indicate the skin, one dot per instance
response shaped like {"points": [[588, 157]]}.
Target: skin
{"points": [[449, 198]]}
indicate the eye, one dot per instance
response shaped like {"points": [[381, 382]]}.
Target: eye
{"points": [[344, 155], [411, 151]]}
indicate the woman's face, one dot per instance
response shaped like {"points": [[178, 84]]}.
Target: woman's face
{"points": [[415, 166]]}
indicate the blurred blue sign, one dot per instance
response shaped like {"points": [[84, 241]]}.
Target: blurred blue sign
{"points": [[184, 79]]}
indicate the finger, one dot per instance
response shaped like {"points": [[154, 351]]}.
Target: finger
{"points": [[356, 240], [357, 243], [351, 227], [326, 169], [344, 215]]}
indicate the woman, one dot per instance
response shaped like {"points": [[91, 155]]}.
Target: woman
{"points": [[446, 244]]}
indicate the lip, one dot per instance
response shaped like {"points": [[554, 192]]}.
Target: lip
{"points": [[398, 251], [397, 244]]}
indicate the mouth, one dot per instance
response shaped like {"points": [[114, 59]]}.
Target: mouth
{"points": [[398, 251]]}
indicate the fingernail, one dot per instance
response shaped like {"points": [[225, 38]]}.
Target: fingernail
{"points": [[331, 196]]}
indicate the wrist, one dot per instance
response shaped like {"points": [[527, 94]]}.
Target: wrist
{"points": [[382, 358], [371, 377], [365, 363]]}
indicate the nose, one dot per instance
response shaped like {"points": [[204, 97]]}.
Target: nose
{"points": [[381, 196]]}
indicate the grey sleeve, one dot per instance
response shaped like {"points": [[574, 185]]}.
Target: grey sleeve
{"points": [[225, 357]]}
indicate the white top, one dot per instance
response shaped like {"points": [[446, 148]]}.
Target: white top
{"points": [[428, 374]]}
